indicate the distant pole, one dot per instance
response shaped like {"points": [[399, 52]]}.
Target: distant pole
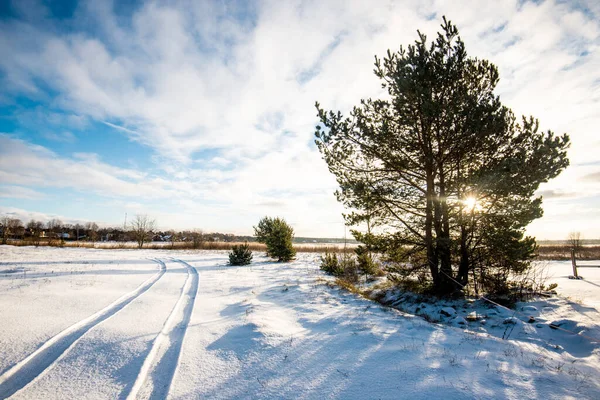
{"points": [[574, 264], [124, 226]]}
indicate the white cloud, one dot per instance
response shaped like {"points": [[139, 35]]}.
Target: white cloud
{"points": [[64, 136], [22, 163], [26, 215], [19, 192], [184, 77]]}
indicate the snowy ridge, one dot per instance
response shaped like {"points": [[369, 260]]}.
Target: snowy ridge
{"points": [[159, 366], [27, 370]]}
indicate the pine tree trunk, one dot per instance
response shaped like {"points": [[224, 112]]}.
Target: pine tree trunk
{"points": [[447, 286], [432, 260], [463, 267]]}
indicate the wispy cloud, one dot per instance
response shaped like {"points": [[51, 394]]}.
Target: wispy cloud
{"points": [[23, 163], [593, 177], [556, 194], [64, 136], [19, 192], [121, 128]]}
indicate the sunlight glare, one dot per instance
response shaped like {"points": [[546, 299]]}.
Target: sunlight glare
{"points": [[470, 203]]}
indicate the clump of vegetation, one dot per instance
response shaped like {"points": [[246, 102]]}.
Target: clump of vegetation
{"points": [[365, 263], [405, 276], [277, 235], [343, 267], [330, 265], [240, 255], [576, 242], [10, 227], [348, 285], [449, 170], [142, 227]]}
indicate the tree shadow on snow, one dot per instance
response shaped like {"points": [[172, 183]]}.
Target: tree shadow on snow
{"points": [[361, 350]]}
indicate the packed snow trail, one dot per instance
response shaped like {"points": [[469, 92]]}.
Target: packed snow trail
{"points": [[106, 361], [55, 348], [159, 367]]}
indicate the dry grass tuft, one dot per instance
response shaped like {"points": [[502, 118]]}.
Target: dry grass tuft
{"points": [[348, 285], [563, 252]]}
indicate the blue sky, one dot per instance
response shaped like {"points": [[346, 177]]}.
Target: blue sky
{"points": [[201, 113]]}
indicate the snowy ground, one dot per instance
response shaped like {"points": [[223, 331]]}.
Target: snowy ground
{"points": [[89, 323]]}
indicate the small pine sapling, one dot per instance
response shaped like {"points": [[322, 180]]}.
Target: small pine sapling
{"points": [[343, 266], [240, 255], [365, 263], [330, 265]]}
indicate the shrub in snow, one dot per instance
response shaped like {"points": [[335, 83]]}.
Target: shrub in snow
{"points": [[365, 263], [277, 235], [343, 266], [240, 255], [330, 265]]}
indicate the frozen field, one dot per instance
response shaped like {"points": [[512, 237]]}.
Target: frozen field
{"points": [[108, 324]]}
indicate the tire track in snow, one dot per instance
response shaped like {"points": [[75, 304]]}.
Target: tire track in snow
{"points": [[51, 351], [158, 370]]}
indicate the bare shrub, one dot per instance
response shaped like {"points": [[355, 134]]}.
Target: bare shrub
{"points": [[10, 227], [141, 227], [92, 231], [530, 282], [575, 242]]}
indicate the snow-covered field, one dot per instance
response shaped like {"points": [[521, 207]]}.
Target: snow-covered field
{"points": [[91, 323]]}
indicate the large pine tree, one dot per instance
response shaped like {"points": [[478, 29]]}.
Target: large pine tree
{"points": [[441, 166]]}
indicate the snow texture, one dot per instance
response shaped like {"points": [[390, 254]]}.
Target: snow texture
{"points": [[96, 324]]}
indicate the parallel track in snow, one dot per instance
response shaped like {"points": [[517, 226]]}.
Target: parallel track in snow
{"points": [[51, 351], [155, 376]]}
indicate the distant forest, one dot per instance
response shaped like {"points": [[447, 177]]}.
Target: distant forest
{"points": [[15, 229]]}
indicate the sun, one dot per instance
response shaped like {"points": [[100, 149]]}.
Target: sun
{"points": [[470, 203]]}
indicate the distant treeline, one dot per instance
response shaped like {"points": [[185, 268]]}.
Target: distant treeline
{"points": [[13, 229]]}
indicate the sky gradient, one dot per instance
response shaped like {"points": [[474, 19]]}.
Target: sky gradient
{"points": [[201, 114]]}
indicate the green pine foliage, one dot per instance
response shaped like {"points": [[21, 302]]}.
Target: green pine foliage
{"points": [[365, 263], [278, 236], [330, 265], [441, 164], [345, 266], [240, 255]]}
